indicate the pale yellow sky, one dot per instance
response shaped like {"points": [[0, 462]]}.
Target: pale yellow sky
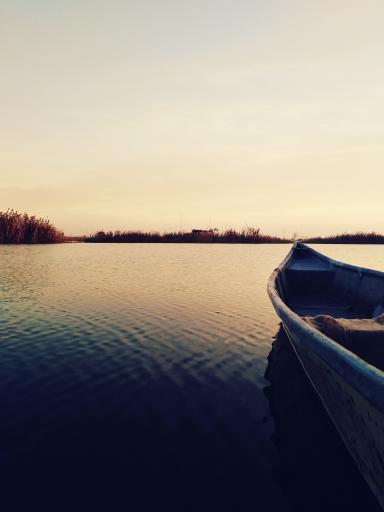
{"points": [[161, 114]]}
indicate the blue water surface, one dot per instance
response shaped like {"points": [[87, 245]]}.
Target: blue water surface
{"points": [[132, 378]]}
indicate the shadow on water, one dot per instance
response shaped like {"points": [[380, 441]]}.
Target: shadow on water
{"points": [[317, 473], [61, 456]]}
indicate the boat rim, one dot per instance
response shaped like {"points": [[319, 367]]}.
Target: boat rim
{"points": [[348, 266]]}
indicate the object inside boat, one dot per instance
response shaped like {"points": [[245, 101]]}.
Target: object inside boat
{"points": [[343, 302]]}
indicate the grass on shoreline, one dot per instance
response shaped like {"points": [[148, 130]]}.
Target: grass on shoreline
{"points": [[229, 236], [20, 228], [247, 235], [348, 238]]}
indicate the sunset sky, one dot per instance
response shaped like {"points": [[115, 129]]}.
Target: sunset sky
{"points": [[164, 114]]}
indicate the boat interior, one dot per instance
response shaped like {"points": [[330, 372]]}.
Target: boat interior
{"points": [[311, 284], [345, 303]]}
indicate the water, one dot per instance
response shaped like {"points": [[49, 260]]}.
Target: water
{"points": [[132, 377]]}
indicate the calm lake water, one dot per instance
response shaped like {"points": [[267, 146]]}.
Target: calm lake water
{"points": [[132, 378]]}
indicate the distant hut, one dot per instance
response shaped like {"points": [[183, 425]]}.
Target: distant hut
{"points": [[202, 234]]}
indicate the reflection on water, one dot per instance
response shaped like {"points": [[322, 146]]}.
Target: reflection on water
{"points": [[315, 467], [132, 377]]}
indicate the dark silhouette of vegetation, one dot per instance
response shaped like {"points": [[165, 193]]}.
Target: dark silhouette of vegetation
{"points": [[247, 235], [230, 236], [347, 238], [20, 228]]}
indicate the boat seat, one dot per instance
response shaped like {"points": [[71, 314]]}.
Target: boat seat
{"points": [[362, 336], [314, 302]]}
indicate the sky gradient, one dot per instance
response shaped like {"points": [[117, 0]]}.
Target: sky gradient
{"points": [[176, 114]]}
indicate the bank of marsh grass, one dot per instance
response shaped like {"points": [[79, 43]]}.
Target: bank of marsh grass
{"points": [[20, 228], [247, 235]]}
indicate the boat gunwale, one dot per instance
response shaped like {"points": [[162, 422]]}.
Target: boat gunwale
{"points": [[337, 263], [348, 365]]}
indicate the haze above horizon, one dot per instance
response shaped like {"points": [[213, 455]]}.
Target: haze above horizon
{"points": [[175, 114]]}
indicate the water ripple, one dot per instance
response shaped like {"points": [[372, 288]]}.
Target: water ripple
{"points": [[130, 367]]}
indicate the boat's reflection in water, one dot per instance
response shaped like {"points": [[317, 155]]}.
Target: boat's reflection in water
{"points": [[317, 473]]}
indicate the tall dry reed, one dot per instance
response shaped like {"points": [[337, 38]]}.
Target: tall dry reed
{"points": [[348, 238], [247, 235], [20, 228]]}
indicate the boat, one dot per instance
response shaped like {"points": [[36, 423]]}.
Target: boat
{"points": [[333, 314]]}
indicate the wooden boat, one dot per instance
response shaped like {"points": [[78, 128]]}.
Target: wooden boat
{"points": [[333, 315]]}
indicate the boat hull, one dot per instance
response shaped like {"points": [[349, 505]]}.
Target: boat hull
{"points": [[359, 423], [351, 390]]}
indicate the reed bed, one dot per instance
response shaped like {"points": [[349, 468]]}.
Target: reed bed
{"points": [[348, 238], [230, 236], [20, 228]]}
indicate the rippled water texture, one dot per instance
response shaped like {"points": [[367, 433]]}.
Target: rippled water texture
{"points": [[132, 376]]}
